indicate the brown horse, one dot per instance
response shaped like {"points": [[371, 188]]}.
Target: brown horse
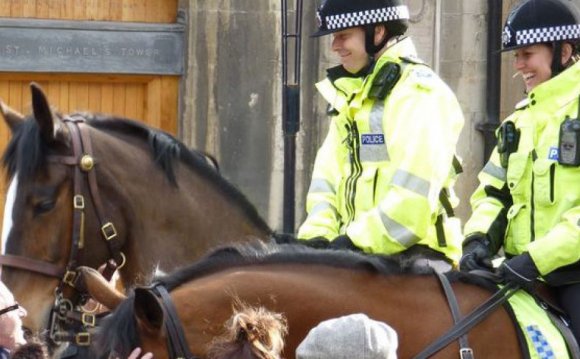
{"points": [[307, 286], [88, 190]]}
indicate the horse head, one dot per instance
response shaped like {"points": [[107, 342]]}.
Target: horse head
{"points": [[38, 205], [151, 320], [106, 192]]}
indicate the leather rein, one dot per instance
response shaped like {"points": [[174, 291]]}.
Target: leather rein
{"points": [[177, 346], [66, 312]]}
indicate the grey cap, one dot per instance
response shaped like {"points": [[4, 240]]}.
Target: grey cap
{"points": [[348, 337]]}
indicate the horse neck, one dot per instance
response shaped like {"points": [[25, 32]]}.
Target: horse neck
{"points": [[330, 292], [169, 226]]}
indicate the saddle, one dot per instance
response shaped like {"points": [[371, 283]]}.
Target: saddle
{"points": [[543, 331], [542, 325]]}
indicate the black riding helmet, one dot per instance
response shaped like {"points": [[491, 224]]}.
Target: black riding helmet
{"points": [[543, 22], [337, 15]]}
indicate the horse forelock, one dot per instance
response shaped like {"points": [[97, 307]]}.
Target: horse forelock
{"points": [[260, 253], [118, 333], [26, 152]]}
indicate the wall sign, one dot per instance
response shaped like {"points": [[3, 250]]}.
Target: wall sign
{"points": [[91, 47]]}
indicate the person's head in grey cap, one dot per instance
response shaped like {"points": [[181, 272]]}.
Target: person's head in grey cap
{"points": [[352, 336]]}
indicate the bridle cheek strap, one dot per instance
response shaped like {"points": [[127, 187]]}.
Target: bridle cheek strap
{"points": [[84, 176], [176, 341]]}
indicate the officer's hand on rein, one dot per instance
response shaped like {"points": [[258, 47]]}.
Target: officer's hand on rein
{"points": [[520, 270], [476, 255]]}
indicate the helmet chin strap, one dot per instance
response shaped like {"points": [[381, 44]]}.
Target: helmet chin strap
{"points": [[370, 46], [557, 66], [372, 49]]}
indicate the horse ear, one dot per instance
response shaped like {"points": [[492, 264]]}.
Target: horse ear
{"points": [[148, 310], [51, 127], [12, 117], [99, 289]]}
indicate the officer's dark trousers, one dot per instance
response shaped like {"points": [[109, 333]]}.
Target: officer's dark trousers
{"points": [[569, 296]]}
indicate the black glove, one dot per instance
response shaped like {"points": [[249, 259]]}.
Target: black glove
{"points": [[343, 242], [476, 255], [283, 238], [520, 270], [315, 242]]}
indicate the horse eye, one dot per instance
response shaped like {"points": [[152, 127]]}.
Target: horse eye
{"points": [[44, 206]]}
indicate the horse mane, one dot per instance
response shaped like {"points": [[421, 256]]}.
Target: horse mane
{"points": [[26, 154], [117, 336], [250, 333], [260, 253]]}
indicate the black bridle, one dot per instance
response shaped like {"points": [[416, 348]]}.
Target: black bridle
{"points": [[69, 321], [177, 346]]}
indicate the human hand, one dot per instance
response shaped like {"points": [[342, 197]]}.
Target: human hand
{"points": [[476, 255], [520, 270], [135, 354]]}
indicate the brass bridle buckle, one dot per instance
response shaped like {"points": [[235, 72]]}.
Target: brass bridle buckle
{"points": [[88, 319], [70, 278], [83, 339], [79, 202], [109, 231]]}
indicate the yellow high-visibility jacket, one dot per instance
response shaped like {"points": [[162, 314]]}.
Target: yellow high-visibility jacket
{"points": [[534, 205], [385, 164]]}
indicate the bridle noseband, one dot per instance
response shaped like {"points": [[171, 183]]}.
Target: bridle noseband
{"points": [[68, 313]]}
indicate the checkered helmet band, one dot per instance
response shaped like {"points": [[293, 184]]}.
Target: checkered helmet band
{"points": [[374, 16], [546, 34]]}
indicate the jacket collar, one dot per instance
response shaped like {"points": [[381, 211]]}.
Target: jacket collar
{"points": [[397, 48], [347, 85], [400, 46], [558, 91], [337, 72]]}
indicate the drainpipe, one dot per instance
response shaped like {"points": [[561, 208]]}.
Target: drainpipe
{"points": [[437, 42], [290, 109], [493, 80]]}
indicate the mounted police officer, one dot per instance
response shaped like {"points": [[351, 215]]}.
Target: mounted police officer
{"points": [[528, 201], [383, 178]]}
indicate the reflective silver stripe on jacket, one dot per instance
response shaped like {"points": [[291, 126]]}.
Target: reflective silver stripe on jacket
{"points": [[375, 153], [323, 206], [411, 182], [319, 185], [495, 171], [399, 232]]}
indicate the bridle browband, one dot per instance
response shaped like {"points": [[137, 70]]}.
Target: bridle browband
{"points": [[67, 312]]}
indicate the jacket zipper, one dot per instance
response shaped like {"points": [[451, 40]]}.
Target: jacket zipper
{"points": [[353, 144], [532, 200]]}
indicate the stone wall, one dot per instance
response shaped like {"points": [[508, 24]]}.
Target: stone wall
{"points": [[231, 103]]}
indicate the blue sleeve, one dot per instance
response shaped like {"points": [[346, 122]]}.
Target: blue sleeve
{"points": [[4, 353]]}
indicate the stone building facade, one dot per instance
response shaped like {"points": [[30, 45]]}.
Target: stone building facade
{"points": [[231, 103]]}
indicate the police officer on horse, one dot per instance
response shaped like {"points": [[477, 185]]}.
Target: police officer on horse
{"points": [[383, 178], [528, 201]]}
